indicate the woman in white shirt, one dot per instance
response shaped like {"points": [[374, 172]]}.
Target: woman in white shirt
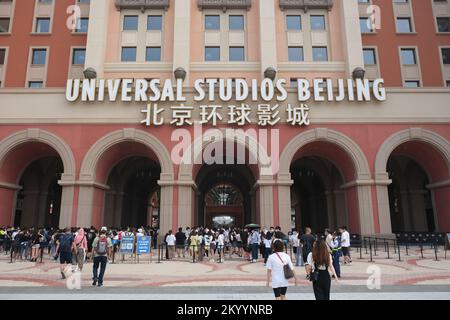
{"points": [[319, 265], [275, 270]]}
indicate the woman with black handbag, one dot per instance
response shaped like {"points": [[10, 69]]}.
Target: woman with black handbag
{"points": [[280, 270], [319, 265]]}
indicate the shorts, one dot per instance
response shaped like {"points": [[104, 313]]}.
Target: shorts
{"points": [[65, 257], [279, 291], [346, 251]]}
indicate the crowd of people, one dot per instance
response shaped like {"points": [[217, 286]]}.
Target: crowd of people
{"points": [[320, 254]]}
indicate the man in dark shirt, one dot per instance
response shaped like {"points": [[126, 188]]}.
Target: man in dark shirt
{"points": [[180, 239], [307, 240]]}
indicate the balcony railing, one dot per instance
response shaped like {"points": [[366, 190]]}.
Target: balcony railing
{"points": [[142, 4], [224, 4], [306, 4]]}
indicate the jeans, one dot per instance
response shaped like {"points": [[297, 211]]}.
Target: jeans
{"points": [[267, 253], [102, 261], [255, 248], [336, 265], [298, 258]]}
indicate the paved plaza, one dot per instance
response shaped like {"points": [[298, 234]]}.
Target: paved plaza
{"points": [[411, 278]]}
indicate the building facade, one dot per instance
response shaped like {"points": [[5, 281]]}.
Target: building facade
{"points": [[376, 165]]}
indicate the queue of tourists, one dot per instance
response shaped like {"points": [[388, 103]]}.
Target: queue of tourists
{"points": [[319, 254]]}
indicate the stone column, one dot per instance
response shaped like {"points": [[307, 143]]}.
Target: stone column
{"points": [[331, 211], [186, 206], [166, 204], [181, 36], [43, 213], [341, 208], [68, 188], [267, 31], [264, 187], [351, 35], [30, 210], [284, 184], [118, 208], [384, 212], [97, 35]]}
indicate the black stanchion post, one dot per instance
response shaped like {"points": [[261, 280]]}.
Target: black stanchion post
{"points": [[387, 247], [193, 254], [398, 250], [375, 247], [370, 249], [436, 252], [365, 245], [421, 250], [360, 251], [407, 247]]}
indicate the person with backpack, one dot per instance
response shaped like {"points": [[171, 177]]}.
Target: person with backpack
{"points": [[280, 270], [90, 236], [65, 246], [319, 265], [101, 248], [81, 248]]}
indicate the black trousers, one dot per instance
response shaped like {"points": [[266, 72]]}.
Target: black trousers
{"points": [[322, 286], [99, 261]]}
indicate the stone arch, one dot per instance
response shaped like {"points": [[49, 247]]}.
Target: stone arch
{"points": [[65, 153], [90, 198], [92, 157], [359, 188], [264, 184], [39, 135], [250, 143], [323, 134], [412, 134], [439, 188]]}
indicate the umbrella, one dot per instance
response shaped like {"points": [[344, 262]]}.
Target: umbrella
{"points": [[252, 226]]}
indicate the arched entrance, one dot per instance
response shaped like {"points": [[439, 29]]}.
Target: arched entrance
{"points": [[225, 196], [316, 198], [133, 195], [143, 163], [410, 201], [338, 182], [415, 163], [37, 171], [38, 202]]}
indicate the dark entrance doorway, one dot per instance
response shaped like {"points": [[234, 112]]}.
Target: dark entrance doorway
{"points": [[410, 201], [225, 196]]}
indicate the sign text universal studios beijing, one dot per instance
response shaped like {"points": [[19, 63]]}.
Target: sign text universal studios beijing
{"points": [[268, 96]]}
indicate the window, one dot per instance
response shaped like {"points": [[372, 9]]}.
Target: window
{"points": [[129, 54], [293, 22], [236, 22], [78, 56], [408, 56], [404, 25], [237, 54], [46, 1], [295, 54], [4, 25], [212, 22], [153, 54], [42, 25], [365, 25], [320, 54], [445, 55], [130, 23], [443, 24], [369, 56], [318, 23], [154, 23], [2, 56], [83, 25], [39, 56], [35, 84], [412, 84], [212, 54]]}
